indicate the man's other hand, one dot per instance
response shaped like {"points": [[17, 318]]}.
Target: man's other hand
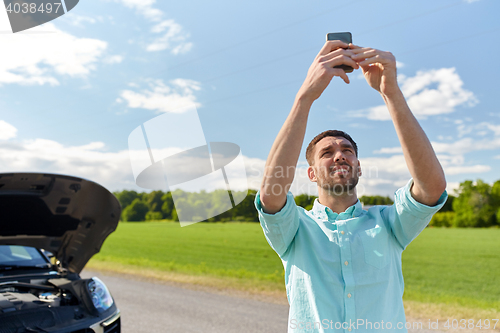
{"points": [[379, 68], [334, 53]]}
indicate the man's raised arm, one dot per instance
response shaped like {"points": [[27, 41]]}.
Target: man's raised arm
{"points": [[379, 69], [284, 154]]}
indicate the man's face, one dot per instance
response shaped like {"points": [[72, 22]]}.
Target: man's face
{"points": [[336, 168]]}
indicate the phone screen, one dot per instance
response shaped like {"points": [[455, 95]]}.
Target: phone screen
{"points": [[345, 37]]}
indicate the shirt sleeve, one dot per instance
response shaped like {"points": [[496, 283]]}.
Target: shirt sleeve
{"points": [[279, 228], [408, 217]]}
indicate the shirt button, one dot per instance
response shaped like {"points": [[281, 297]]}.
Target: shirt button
{"points": [[349, 295], [342, 232], [346, 263], [350, 329]]}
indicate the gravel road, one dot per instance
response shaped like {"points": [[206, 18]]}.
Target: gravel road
{"points": [[152, 306]]}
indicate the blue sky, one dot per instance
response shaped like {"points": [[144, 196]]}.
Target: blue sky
{"points": [[72, 90]]}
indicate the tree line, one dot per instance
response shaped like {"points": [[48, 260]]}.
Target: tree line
{"points": [[159, 205], [476, 204]]}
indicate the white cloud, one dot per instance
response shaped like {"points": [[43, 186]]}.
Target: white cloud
{"points": [[377, 113], [78, 20], [161, 97], [463, 128], [37, 58], [443, 99], [91, 161], [452, 187], [493, 128], [111, 169], [172, 35], [466, 145], [7, 131], [429, 93], [164, 25], [453, 163], [381, 176], [452, 155], [144, 7], [384, 175], [301, 183], [482, 129], [393, 150], [115, 59], [174, 38], [466, 169]]}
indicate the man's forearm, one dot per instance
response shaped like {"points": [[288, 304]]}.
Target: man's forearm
{"points": [[282, 160], [427, 173]]}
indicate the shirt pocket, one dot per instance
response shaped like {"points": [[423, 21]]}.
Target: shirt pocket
{"points": [[375, 246]]}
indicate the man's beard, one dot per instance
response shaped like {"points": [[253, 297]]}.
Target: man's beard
{"points": [[339, 187]]}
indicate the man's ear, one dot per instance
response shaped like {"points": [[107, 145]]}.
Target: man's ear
{"points": [[359, 170], [311, 174]]}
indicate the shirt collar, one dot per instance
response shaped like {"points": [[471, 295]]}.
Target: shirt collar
{"points": [[323, 212]]}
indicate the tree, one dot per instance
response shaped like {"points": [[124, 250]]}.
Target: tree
{"points": [[476, 205], [154, 201], [442, 219], [153, 216], [305, 200], [495, 193], [373, 200], [136, 211], [167, 207], [448, 205], [219, 202], [245, 210], [126, 197]]}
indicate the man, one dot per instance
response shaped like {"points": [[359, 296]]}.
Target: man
{"points": [[342, 263]]}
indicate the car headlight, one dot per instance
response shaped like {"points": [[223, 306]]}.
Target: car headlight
{"points": [[99, 294]]}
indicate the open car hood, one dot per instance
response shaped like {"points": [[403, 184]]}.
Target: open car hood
{"points": [[68, 216]]}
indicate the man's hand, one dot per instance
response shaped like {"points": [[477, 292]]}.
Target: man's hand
{"points": [[379, 68], [321, 72]]}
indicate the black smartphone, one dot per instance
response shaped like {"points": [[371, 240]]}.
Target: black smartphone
{"points": [[345, 37]]}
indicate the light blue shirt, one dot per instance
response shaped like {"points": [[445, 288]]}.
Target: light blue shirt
{"points": [[343, 271]]}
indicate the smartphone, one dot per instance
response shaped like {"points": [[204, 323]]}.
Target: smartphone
{"points": [[345, 37]]}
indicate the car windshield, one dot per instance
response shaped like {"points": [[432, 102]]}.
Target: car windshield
{"points": [[21, 256]]}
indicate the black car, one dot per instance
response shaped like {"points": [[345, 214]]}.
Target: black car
{"points": [[50, 227]]}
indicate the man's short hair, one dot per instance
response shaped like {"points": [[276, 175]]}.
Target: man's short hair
{"points": [[317, 138]]}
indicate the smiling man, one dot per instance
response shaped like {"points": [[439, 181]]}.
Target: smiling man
{"points": [[342, 263]]}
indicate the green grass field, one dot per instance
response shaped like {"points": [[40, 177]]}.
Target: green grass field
{"points": [[236, 250], [460, 266], [448, 266]]}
